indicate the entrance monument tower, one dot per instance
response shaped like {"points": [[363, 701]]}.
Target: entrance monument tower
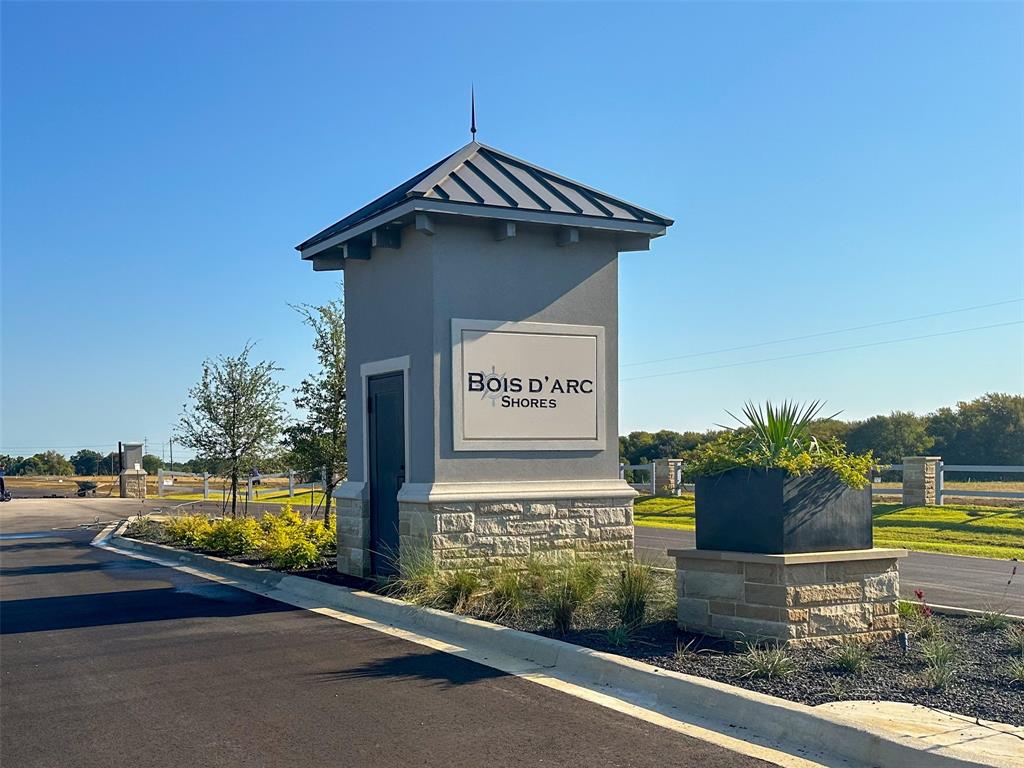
{"points": [[481, 301]]}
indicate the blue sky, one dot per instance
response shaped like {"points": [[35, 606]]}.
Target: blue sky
{"points": [[827, 165]]}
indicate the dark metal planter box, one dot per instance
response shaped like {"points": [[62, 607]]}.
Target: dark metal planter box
{"points": [[769, 511]]}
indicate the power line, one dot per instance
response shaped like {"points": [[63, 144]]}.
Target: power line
{"points": [[823, 333], [824, 351]]}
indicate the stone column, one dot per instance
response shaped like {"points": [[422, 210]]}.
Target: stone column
{"points": [[133, 484], [664, 475], [919, 477]]}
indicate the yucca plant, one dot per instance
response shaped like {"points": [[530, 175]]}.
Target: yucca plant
{"points": [[777, 430], [779, 436]]}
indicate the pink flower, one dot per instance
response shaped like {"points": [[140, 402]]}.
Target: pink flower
{"points": [[919, 594]]}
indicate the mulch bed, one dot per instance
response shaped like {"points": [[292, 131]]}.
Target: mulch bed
{"points": [[981, 686]]}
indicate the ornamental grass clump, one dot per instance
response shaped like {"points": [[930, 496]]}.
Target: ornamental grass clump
{"points": [[417, 578], [1014, 636], [991, 620], [571, 591], [780, 437], [633, 591], [509, 593], [1015, 669], [457, 589]]}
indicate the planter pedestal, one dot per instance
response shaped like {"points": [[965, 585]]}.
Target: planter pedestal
{"points": [[811, 598]]}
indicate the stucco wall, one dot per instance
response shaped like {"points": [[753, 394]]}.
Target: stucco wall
{"points": [[526, 278], [388, 313], [401, 302]]}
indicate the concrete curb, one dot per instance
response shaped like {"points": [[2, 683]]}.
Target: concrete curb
{"points": [[766, 716], [952, 610]]}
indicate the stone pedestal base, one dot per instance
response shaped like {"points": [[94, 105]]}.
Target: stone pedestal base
{"points": [[133, 484], [804, 599], [486, 526]]}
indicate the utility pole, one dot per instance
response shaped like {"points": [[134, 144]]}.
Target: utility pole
{"points": [[171, 442]]}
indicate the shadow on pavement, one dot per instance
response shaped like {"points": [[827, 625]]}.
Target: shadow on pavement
{"points": [[436, 667], [42, 614]]}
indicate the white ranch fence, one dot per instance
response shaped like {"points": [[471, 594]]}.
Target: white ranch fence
{"points": [[956, 493], [166, 482], [648, 486]]}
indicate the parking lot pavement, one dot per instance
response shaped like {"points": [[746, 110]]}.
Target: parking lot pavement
{"points": [[110, 661]]}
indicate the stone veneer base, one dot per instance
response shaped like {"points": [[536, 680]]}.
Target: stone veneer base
{"points": [[813, 598], [486, 526]]}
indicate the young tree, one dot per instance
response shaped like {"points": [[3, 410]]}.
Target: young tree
{"points": [[318, 442], [235, 415]]}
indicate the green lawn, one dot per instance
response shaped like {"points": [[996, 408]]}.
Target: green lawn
{"points": [[664, 512], [300, 499], [996, 532], [957, 529]]}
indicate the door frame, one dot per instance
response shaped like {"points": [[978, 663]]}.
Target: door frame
{"points": [[379, 368]]}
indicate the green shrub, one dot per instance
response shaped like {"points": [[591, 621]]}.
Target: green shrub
{"points": [[321, 536], [1014, 636], [188, 530], [766, 661], [286, 518], [571, 591], [237, 536], [850, 657], [298, 553], [286, 542], [636, 588]]}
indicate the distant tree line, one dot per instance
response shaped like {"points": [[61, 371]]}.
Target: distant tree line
{"points": [[986, 430]]}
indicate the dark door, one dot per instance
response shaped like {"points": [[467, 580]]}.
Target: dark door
{"points": [[386, 421]]}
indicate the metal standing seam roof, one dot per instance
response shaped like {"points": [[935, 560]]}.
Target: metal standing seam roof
{"points": [[479, 175]]}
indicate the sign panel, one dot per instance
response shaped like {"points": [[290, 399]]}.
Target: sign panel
{"points": [[527, 386]]}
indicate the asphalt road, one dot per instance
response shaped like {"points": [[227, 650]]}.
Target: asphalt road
{"points": [[963, 582], [109, 661]]}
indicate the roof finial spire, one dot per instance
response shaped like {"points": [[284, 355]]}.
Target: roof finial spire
{"points": [[472, 111]]}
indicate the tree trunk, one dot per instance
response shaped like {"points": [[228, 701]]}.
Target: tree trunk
{"points": [[234, 492], [329, 489]]}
